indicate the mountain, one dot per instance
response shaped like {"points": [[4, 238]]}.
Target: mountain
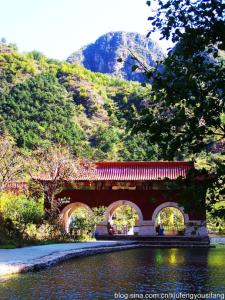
{"points": [[45, 101], [102, 56]]}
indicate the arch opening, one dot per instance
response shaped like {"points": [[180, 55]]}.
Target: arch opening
{"points": [[170, 221], [73, 212], [79, 222], [123, 218]]}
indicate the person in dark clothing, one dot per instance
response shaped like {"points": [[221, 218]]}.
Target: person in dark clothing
{"points": [[157, 228], [109, 228]]}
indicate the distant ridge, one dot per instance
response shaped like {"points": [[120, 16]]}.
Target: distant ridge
{"points": [[102, 56]]}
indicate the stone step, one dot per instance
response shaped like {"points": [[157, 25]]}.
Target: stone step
{"points": [[163, 241], [156, 238], [175, 245], [175, 242]]}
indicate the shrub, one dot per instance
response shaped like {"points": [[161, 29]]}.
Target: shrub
{"points": [[18, 212], [46, 232]]}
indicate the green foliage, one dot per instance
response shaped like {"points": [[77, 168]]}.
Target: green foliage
{"points": [[79, 225], [13, 46], [36, 55], [216, 219], [187, 113], [216, 192], [106, 140], [38, 112], [17, 214], [7, 231], [185, 116], [20, 210], [14, 69], [138, 148], [125, 216], [45, 101], [171, 217], [46, 232], [187, 107], [22, 223], [199, 21], [83, 222]]}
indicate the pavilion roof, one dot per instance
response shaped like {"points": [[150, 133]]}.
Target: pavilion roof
{"points": [[135, 171]]}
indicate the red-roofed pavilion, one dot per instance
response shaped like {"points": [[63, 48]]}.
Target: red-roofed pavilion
{"points": [[148, 187]]}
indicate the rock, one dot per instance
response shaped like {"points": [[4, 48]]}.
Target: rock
{"points": [[102, 56]]}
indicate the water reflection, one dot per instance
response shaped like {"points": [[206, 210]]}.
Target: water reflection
{"points": [[172, 258], [134, 271]]}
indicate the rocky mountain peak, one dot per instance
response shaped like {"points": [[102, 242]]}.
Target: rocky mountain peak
{"points": [[102, 56]]}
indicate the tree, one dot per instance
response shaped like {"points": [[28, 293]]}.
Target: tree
{"points": [[37, 55], [186, 114], [38, 111], [186, 111], [13, 46], [199, 23], [51, 168], [216, 191], [11, 162]]}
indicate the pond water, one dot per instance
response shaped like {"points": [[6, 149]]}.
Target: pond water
{"points": [[114, 275]]}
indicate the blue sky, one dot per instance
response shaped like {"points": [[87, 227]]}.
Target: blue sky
{"points": [[59, 27]]}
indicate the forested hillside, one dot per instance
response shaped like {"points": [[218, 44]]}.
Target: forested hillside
{"points": [[44, 101]]}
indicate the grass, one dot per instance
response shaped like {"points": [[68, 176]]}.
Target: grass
{"points": [[9, 246]]}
